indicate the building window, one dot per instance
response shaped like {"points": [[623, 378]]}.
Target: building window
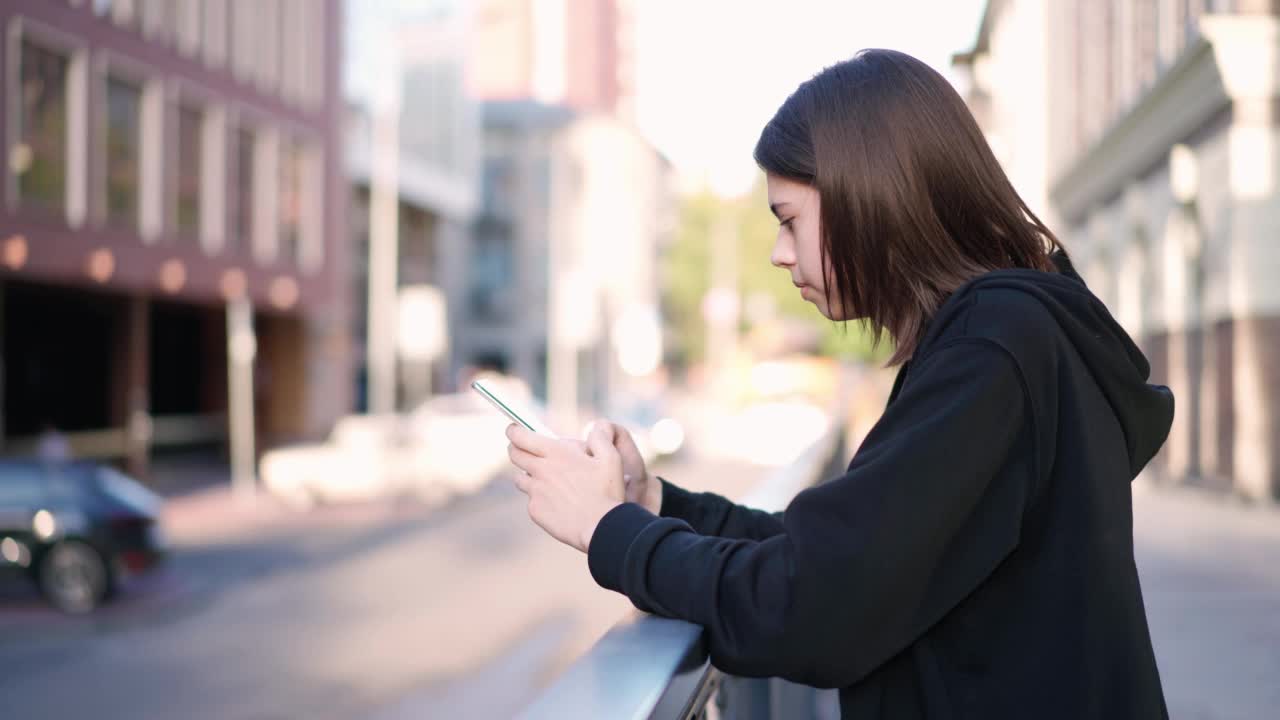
{"points": [[266, 24], [290, 204], [240, 236], [498, 185], [417, 264], [101, 7], [38, 157], [244, 31], [298, 49], [158, 19], [313, 46], [187, 26], [492, 272], [214, 27], [124, 12], [122, 150], [189, 171]]}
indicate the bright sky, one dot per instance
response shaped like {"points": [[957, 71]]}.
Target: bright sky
{"points": [[712, 72]]}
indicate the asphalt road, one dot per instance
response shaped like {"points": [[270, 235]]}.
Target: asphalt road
{"points": [[374, 612], [400, 612]]}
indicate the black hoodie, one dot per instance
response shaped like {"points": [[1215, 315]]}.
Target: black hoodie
{"points": [[976, 559]]}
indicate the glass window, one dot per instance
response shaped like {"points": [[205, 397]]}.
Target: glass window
{"points": [[242, 35], [38, 157], [124, 12], [158, 19], [187, 25], [417, 246], [187, 184], [290, 206], [241, 225], [123, 147], [214, 25], [498, 185], [128, 491], [492, 271]]}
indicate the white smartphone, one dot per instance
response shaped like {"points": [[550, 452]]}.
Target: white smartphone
{"points": [[519, 415]]}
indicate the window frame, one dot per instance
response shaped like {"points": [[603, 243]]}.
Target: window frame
{"points": [[212, 150], [75, 191], [111, 63]]}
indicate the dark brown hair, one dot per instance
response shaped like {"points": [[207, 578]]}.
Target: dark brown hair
{"points": [[914, 203]]}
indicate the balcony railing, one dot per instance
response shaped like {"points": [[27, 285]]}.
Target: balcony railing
{"points": [[652, 668]]}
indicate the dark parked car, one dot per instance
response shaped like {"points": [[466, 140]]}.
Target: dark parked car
{"points": [[75, 529]]}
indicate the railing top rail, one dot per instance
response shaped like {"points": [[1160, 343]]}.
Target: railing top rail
{"points": [[651, 667], [641, 663]]}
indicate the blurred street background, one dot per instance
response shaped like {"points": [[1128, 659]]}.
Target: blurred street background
{"points": [[252, 252]]}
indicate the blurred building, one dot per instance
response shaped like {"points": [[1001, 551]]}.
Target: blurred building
{"points": [[438, 184], [162, 158], [1149, 131], [562, 274], [578, 53]]}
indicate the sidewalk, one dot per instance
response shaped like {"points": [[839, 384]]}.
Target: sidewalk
{"points": [[201, 507], [1211, 582]]}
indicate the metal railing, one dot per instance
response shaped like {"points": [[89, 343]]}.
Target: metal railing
{"points": [[652, 668]]}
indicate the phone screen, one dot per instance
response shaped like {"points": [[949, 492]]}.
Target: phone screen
{"points": [[518, 415]]}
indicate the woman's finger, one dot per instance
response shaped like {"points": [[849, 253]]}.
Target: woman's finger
{"points": [[623, 441], [523, 481], [600, 441], [529, 441], [524, 460], [607, 427]]}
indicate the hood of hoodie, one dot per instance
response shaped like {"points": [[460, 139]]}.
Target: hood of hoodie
{"points": [[1145, 411]]}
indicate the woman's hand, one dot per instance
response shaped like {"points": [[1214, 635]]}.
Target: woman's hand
{"points": [[642, 489], [570, 487]]}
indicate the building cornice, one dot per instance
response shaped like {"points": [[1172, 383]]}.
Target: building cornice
{"points": [[1186, 97], [1236, 58]]}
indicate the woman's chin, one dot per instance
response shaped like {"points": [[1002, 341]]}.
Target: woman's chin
{"points": [[836, 314]]}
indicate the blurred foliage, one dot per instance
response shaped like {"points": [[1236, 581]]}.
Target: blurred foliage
{"points": [[687, 271]]}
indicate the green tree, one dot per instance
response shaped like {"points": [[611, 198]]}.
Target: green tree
{"points": [[687, 270]]}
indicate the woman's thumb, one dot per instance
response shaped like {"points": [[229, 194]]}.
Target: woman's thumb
{"points": [[600, 440], [624, 442]]}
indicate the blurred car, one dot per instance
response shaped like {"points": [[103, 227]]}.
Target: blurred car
{"points": [[452, 444], [75, 529]]}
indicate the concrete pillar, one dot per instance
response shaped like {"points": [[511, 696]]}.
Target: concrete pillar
{"points": [[1247, 51], [1182, 304], [1217, 405], [242, 347], [137, 381]]}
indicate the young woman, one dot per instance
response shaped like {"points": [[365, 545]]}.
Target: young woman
{"points": [[976, 559]]}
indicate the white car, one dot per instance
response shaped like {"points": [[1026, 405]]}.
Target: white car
{"points": [[452, 444]]}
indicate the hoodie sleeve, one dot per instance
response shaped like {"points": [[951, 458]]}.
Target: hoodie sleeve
{"points": [[867, 562], [711, 514]]}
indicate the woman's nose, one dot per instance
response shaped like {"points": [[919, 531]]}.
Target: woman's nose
{"points": [[783, 255]]}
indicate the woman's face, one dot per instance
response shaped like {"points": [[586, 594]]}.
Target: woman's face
{"points": [[798, 249]]}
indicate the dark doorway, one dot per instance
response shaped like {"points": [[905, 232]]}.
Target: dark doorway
{"points": [[188, 359], [59, 348]]}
